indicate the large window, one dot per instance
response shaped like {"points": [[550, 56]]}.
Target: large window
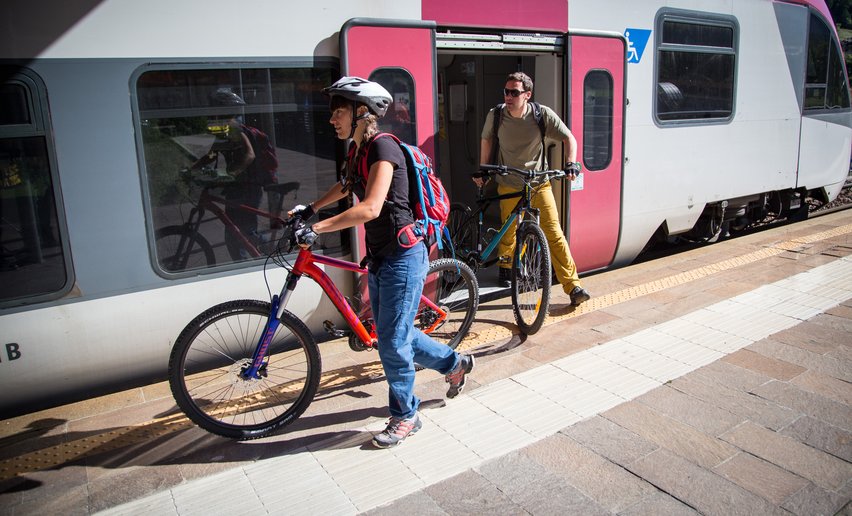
{"points": [[696, 65], [34, 260], [597, 120], [209, 203], [825, 83]]}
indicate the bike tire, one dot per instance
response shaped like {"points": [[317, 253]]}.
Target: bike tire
{"points": [[197, 255], [453, 287], [209, 354], [530, 278], [462, 229]]}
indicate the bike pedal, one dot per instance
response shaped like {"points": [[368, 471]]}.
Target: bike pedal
{"points": [[332, 330]]}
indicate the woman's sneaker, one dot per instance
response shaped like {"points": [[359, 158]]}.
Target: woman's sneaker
{"points": [[397, 430], [456, 377]]}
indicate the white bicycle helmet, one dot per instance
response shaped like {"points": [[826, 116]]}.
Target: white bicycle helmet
{"points": [[372, 94]]}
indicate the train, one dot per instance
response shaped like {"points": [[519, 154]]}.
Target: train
{"points": [[693, 118]]}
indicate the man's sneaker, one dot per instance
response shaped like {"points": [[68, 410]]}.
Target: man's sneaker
{"points": [[397, 430], [579, 295], [504, 277], [456, 377]]}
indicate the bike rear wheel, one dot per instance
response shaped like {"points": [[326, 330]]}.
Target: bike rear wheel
{"points": [[216, 346], [452, 285], [530, 278]]}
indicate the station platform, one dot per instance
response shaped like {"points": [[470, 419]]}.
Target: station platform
{"points": [[714, 381]]}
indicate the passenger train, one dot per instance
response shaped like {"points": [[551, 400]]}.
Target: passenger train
{"points": [[693, 117]]}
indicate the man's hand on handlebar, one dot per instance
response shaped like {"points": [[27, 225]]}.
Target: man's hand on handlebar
{"points": [[301, 211], [572, 169]]}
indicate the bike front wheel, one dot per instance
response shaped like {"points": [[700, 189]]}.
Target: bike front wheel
{"points": [[451, 285], [215, 348], [180, 249], [530, 278]]}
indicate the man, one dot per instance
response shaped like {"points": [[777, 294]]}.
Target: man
{"points": [[519, 144]]}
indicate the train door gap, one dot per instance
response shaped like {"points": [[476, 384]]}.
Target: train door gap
{"points": [[470, 84]]}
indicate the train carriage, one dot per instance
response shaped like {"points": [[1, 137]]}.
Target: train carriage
{"points": [[693, 118]]}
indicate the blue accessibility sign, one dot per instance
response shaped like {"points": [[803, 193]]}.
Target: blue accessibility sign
{"points": [[637, 39]]}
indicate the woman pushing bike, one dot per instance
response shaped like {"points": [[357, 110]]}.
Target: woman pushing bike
{"points": [[398, 261]]}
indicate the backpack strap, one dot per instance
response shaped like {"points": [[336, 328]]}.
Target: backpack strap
{"points": [[498, 119]]}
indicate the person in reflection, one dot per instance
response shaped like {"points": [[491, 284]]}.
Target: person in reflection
{"points": [[377, 175], [244, 150], [519, 142]]}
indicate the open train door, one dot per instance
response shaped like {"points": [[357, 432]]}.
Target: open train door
{"points": [[399, 55], [596, 73]]}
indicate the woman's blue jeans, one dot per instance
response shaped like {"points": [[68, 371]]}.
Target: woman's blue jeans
{"points": [[395, 284]]}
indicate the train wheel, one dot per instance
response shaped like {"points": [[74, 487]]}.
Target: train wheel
{"points": [[215, 348]]}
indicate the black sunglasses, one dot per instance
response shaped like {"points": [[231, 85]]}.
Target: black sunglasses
{"points": [[513, 93]]}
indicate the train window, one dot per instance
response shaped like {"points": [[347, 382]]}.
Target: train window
{"points": [[597, 120], [825, 82], [34, 257], [208, 204], [696, 65], [400, 119]]}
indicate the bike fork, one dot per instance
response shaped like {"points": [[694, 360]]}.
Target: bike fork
{"points": [[276, 310]]}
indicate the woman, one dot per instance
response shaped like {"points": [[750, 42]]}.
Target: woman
{"points": [[396, 272]]}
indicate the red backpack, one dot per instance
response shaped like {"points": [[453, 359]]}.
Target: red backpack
{"points": [[265, 163], [427, 195]]}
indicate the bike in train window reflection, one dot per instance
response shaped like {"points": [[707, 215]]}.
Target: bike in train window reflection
{"points": [[226, 152], [33, 261]]}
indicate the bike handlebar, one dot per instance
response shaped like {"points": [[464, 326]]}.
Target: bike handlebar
{"points": [[486, 171]]}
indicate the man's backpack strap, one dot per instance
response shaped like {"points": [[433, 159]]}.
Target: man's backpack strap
{"points": [[498, 118]]}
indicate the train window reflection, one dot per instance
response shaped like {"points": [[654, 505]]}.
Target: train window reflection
{"points": [[225, 151], [696, 65], [597, 120], [825, 81], [401, 118], [33, 260]]}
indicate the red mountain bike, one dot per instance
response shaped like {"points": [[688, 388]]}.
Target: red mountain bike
{"points": [[244, 369]]}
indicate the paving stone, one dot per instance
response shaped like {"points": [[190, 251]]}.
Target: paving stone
{"points": [[535, 488], [659, 503], [130, 485], [814, 405], [825, 364], [815, 338], [71, 502], [764, 365], [825, 385], [729, 375], [831, 321], [743, 404], [819, 467], [707, 492], [610, 485], [689, 410], [761, 478], [418, 503], [821, 436], [681, 439], [815, 500], [471, 493], [609, 440]]}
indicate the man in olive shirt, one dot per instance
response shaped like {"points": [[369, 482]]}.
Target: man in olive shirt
{"points": [[520, 145]]}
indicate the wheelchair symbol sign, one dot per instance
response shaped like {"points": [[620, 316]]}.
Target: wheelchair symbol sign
{"points": [[637, 39]]}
